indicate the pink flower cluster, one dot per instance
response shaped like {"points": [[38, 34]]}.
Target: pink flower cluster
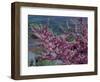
{"points": [[57, 48]]}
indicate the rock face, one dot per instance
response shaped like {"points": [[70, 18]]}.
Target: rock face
{"points": [[31, 59]]}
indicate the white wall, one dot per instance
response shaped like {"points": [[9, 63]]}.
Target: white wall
{"points": [[5, 38]]}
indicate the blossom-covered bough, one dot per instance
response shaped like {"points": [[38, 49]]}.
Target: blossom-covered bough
{"points": [[58, 49]]}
